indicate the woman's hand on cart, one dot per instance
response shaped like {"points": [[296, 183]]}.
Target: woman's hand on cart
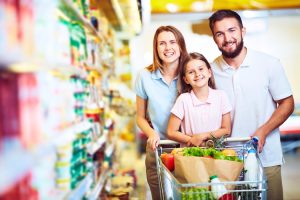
{"points": [[153, 141]]}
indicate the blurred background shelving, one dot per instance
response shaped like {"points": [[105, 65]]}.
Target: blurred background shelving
{"points": [[57, 124]]}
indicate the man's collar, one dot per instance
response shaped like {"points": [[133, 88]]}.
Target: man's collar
{"points": [[245, 63]]}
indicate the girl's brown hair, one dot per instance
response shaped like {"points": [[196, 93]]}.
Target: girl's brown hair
{"points": [[157, 62], [194, 56]]}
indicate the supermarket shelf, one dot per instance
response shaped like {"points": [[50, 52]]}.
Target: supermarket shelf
{"points": [[99, 186], [16, 161], [68, 5], [14, 165], [17, 61], [31, 64], [80, 190], [68, 133], [97, 145]]}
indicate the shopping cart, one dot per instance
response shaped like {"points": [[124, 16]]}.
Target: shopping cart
{"points": [[170, 188]]}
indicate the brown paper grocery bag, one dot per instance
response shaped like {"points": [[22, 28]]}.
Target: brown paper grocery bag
{"points": [[192, 169]]}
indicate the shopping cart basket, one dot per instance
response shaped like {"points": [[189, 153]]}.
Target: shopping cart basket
{"points": [[170, 188]]}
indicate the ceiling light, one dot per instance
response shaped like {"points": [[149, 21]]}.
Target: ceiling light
{"points": [[202, 5], [254, 14], [172, 7]]}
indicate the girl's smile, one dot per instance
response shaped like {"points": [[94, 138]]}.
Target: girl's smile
{"points": [[197, 74]]}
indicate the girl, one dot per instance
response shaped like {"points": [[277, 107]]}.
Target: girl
{"points": [[156, 92], [200, 112]]}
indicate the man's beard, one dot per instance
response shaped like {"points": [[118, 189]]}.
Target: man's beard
{"points": [[234, 53]]}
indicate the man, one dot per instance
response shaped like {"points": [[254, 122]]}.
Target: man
{"points": [[258, 90]]}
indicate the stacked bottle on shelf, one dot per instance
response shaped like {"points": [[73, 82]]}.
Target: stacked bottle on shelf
{"points": [[72, 160], [94, 112], [80, 95]]}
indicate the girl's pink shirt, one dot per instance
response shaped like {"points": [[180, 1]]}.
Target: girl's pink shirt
{"points": [[198, 117]]}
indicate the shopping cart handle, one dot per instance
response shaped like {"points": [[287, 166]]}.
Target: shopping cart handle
{"points": [[229, 139], [167, 142], [237, 139]]}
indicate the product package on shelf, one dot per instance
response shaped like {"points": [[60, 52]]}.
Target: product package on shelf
{"points": [[17, 30], [78, 44], [22, 190], [20, 104]]}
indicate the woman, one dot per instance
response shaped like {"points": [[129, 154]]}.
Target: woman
{"points": [[156, 92]]}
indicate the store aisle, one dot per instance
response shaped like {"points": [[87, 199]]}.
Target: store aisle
{"points": [[132, 159]]}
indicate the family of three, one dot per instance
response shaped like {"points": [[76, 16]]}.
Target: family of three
{"points": [[183, 97]]}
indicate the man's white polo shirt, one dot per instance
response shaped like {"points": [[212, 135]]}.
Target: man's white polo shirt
{"points": [[253, 89]]}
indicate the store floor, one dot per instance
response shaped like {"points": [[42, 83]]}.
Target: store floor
{"points": [[132, 159]]}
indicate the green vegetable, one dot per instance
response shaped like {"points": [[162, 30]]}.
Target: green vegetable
{"points": [[192, 151], [197, 194], [219, 155]]}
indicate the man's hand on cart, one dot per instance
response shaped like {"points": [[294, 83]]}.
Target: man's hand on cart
{"points": [[153, 141], [261, 135]]}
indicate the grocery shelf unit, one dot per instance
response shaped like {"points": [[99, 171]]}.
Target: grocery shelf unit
{"points": [[47, 80]]}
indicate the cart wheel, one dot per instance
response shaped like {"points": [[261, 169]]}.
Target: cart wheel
{"points": [[210, 144]]}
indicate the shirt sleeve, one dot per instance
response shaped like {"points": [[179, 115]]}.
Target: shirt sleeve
{"points": [[139, 86], [279, 85], [225, 105], [178, 108]]}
